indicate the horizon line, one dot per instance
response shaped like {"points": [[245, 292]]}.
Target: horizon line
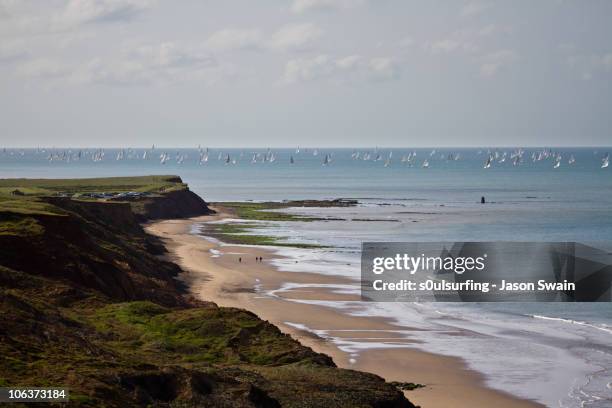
{"points": [[311, 147]]}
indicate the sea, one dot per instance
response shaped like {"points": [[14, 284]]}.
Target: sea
{"points": [[559, 354]]}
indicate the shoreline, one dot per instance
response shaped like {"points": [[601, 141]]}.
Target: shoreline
{"points": [[222, 279]]}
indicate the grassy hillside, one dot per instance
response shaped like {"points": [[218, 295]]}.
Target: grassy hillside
{"points": [[110, 184], [87, 303]]}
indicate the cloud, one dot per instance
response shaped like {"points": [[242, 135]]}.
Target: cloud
{"points": [[492, 63], [307, 69], [450, 45], [43, 68], [91, 11], [163, 63], [351, 68], [474, 8], [302, 6], [460, 41], [589, 65], [295, 37], [291, 37], [235, 39], [406, 42], [25, 18], [160, 64], [382, 68], [493, 29]]}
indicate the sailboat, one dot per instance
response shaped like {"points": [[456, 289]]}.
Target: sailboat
{"points": [[487, 164], [425, 164], [557, 163], [326, 161], [204, 157], [571, 160], [388, 161], [605, 162], [291, 161]]}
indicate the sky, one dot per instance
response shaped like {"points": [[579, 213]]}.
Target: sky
{"points": [[319, 73]]}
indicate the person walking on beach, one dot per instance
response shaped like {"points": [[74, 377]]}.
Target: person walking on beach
{"points": [[240, 259]]}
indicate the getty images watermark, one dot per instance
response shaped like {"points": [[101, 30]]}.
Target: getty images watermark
{"points": [[486, 272]]}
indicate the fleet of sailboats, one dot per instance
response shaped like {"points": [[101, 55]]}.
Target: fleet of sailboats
{"points": [[492, 157]]}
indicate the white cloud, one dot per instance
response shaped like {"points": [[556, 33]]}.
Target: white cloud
{"points": [[160, 64], [492, 63], [86, 11], [306, 69], [474, 8], [291, 37], [450, 45], [171, 55], [382, 68], [406, 42], [235, 39], [460, 41], [589, 65], [352, 68], [295, 36], [26, 18], [163, 63], [349, 62], [493, 29], [302, 6], [43, 68]]}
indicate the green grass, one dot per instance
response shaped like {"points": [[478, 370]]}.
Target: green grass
{"points": [[20, 226], [239, 233], [27, 206], [257, 211], [208, 335], [34, 189], [110, 184]]}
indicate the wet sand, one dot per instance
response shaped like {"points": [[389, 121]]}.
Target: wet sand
{"points": [[218, 276]]}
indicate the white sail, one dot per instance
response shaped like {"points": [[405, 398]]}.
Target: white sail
{"points": [[487, 164]]}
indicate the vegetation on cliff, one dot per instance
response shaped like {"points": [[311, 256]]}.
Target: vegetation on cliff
{"points": [[86, 302]]}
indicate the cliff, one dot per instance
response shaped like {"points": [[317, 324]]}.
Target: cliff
{"points": [[87, 303]]}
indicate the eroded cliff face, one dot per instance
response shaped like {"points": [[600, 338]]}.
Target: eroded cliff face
{"points": [[86, 302], [93, 245], [174, 204]]}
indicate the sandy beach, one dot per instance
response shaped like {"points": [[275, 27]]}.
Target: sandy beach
{"points": [[213, 272]]}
